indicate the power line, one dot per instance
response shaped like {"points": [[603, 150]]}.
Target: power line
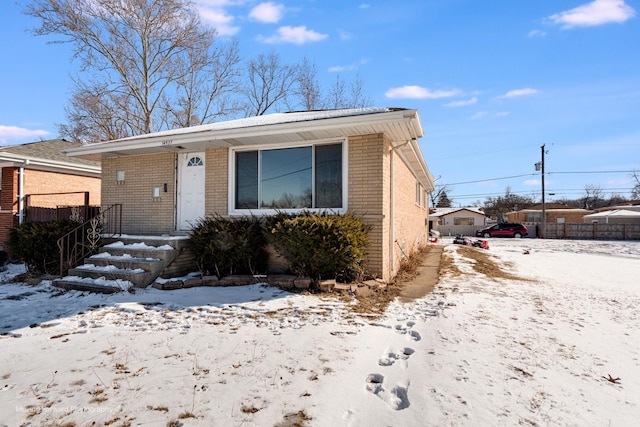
{"points": [[489, 179], [532, 174], [551, 192], [595, 172]]}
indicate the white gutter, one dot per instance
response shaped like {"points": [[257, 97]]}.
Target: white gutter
{"points": [[392, 234], [45, 164], [21, 191]]}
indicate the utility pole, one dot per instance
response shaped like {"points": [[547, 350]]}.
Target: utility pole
{"points": [[540, 167], [544, 211]]}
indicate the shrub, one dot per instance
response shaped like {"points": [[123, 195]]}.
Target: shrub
{"points": [[225, 246], [321, 246], [36, 244]]}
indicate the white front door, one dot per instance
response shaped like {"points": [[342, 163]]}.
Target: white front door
{"points": [[190, 189]]}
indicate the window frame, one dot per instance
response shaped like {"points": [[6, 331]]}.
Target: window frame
{"points": [[468, 219], [265, 147]]}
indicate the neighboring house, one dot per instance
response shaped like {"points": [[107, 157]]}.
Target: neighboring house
{"points": [[555, 213], [458, 216], [454, 221], [39, 174], [614, 216], [366, 161]]}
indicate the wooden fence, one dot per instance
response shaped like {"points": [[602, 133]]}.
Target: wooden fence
{"points": [[78, 214], [595, 231], [454, 230], [576, 231]]}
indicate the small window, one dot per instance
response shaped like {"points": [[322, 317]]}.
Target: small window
{"points": [[195, 161], [418, 193], [534, 217], [463, 221]]}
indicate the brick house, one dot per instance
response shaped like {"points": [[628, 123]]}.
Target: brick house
{"points": [[367, 161], [39, 174], [555, 213]]}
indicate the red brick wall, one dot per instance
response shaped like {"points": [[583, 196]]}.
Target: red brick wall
{"points": [[36, 182], [8, 203]]}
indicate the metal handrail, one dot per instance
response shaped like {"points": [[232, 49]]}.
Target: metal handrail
{"points": [[84, 240]]}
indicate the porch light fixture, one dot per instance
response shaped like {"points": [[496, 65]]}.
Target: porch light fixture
{"points": [[120, 177], [156, 192]]}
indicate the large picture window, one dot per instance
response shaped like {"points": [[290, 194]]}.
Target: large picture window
{"points": [[289, 178]]}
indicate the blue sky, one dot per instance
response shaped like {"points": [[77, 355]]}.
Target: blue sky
{"points": [[493, 80]]}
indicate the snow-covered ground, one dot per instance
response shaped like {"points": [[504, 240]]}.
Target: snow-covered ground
{"points": [[560, 348]]}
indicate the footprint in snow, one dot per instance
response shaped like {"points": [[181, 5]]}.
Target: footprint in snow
{"points": [[397, 398], [389, 357], [407, 329]]}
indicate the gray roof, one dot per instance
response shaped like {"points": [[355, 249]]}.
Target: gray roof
{"points": [[50, 150]]}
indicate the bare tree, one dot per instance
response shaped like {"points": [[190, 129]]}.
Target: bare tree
{"points": [[308, 92], [498, 207], [435, 195], [337, 97], [205, 91], [616, 199], [94, 113], [269, 82], [343, 95], [635, 191], [137, 49], [593, 197], [358, 98]]}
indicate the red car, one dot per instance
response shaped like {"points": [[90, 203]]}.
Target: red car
{"points": [[503, 230]]}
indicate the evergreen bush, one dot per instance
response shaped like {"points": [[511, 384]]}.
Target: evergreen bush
{"points": [[36, 244], [320, 245], [224, 246]]}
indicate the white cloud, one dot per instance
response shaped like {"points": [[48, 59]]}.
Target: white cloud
{"points": [[220, 20], [364, 6], [14, 132], [531, 182], [479, 115], [519, 92], [295, 35], [268, 12], [598, 12], [418, 92], [349, 67], [537, 33], [462, 103]]}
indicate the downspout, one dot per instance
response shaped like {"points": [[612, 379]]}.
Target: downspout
{"points": [[392, 237], [21, 191]]}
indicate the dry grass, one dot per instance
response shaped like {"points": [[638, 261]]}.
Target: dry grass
{"points": [[295, 419], [485, 264], [448, 266], [377, 301]]}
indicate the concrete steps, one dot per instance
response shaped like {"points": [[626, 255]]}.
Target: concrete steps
{"points": [[127, 262]]}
